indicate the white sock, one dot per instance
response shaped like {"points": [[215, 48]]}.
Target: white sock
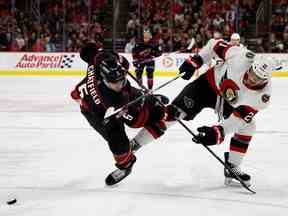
{"points": [[235, 158]]}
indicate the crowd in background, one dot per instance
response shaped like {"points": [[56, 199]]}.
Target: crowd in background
{"points": [[20, 31], [183, 26], [196, 21]]}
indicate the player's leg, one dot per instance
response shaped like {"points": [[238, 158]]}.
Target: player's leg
{"points": [[193, 98], [150, 68], [119, 145], [239, 144], [139, 68]]}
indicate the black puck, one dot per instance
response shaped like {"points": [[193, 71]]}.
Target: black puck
{"points": [[11, 202]]}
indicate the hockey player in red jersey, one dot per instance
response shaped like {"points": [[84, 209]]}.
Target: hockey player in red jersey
{"points": [[106, 86], [237, 90], [143, 55]]}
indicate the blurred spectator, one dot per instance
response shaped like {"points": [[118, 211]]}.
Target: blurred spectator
{"points": [[49, 44], [285, 41], [169, 21], [39, 45], [133, 25], [4, 43], [130, 45], [259, 46]]}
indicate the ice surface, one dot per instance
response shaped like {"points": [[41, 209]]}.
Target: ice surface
{"points": [[55, 164]]}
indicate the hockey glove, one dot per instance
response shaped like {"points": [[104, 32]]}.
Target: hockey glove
{"points": [[75, 95], [209, 135], [155, 104], [188, 68]]}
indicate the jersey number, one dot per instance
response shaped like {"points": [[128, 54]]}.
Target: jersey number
{"points": [[249, 116]]}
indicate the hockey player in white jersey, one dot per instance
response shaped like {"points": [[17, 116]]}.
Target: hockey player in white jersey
{"points": [[237, 90], [235, 40]]}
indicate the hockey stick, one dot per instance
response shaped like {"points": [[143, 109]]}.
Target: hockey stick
{"points": [[219, 159], [111, 111], [154, 58], [194, 135]]}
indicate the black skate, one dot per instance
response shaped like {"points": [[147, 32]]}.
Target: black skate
{"points": [[231, 177], [119, 174]]}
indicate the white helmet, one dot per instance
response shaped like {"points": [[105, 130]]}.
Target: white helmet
{"points": [[262, 67], [235, 36]]}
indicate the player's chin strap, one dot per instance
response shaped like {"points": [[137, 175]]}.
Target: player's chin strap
{"points": [[112, 111], [194, 135]]}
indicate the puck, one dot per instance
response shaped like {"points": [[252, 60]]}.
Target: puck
{"points": [[11, 202]]}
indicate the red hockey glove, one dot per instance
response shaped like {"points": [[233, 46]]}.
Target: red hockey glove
{"points": [[75, 95], [209, 135]]}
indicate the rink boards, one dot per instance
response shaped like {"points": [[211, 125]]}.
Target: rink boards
{"points": [[70, 64]]}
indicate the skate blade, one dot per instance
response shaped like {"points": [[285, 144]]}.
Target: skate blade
{"points": [[233, 182]]}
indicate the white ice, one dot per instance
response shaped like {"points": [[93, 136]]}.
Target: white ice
{"points": [[55, 164]]}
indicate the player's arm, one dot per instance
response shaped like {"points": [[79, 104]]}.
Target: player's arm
{"points": [[79, 92], [211, 49], [157, 50], [215, 48], [240, 119]]}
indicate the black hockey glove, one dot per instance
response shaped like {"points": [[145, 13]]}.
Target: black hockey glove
{"points": [[156, 106], [187, 68], [209, 135]]}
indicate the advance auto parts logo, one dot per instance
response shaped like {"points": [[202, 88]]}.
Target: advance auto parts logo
{"points": [[46, 61]]}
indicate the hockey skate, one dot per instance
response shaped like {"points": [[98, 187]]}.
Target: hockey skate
{"points": [[230, 177], [119, 174]]}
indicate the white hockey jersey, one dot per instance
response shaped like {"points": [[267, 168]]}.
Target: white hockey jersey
{"points": [[227, 81]]}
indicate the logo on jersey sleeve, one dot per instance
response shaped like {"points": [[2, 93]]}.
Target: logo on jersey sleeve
{"points": [[265, 98], [229, 90]]}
